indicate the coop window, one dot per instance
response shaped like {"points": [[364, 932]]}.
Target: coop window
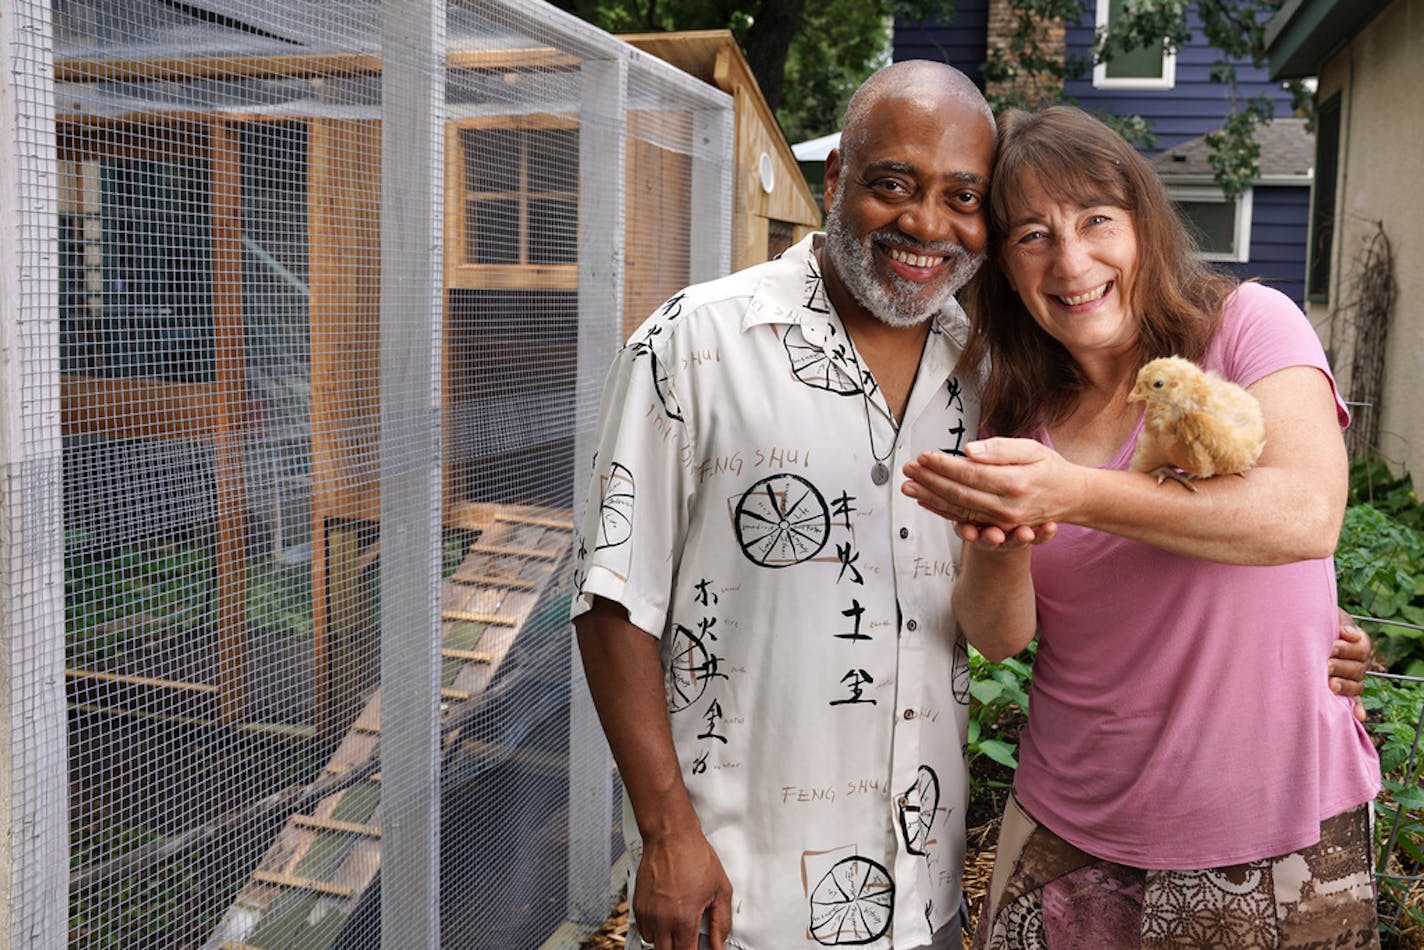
{"points": [[521, 195], [1322, 208], [136, 270], [1146, 67], [1221, 226]]}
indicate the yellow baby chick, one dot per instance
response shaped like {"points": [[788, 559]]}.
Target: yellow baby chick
{"points": [[1196, 424]]}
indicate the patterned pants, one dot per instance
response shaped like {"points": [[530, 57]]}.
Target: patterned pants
{"points": [[1048, 894]]}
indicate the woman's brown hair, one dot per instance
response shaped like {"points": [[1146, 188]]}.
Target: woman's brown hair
{"points": [[1075, 159]]}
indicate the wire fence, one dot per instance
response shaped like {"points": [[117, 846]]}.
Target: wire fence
{"points": [[307, 309]]}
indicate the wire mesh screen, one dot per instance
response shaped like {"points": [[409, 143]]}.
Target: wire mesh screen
{"points": [[296, 486]]}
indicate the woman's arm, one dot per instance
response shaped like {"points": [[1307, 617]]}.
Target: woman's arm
{"points": [[1288, 508], [993, 600]]}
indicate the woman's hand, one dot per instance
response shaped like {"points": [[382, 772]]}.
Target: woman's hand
{"points": [[992, 537], [1001, 482]]}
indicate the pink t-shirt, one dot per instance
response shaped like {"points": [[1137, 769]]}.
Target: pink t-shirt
{"points": [[1180, 715]]}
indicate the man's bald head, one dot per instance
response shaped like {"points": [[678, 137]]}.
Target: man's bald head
{"points": [[910, 80]]}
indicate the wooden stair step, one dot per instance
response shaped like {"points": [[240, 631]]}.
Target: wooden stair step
{"points": [[331, 824], [470, 656], [480, 616], [302, 883]]}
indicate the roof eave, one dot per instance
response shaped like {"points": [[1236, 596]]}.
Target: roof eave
{"points": [[1268, 180], [1305, 33]]}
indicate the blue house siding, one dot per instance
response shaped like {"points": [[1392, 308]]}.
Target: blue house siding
{"points": [[1193, 106], [962, 43], [1278, 220]]}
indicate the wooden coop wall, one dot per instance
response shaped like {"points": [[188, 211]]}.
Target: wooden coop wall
{"points": [[343, 193]]}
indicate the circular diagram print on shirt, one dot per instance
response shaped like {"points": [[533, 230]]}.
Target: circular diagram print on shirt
{"points": [[690, 666], [615, 511], [959, 676], [781, 520], [852, 904], [811, 365], [664, 391], [917, 810]]}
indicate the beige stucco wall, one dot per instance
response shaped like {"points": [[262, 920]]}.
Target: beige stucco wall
{"points": [[1382, 130]]}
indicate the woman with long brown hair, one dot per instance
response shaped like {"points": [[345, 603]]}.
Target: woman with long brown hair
{"points": [[1186, 778]]}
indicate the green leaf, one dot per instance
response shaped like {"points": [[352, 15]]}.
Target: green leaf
{"points": [[999, 751], [1406, 796], [986, 691]]}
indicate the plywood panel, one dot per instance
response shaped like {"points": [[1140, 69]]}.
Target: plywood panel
{"points": [[344, 194]]}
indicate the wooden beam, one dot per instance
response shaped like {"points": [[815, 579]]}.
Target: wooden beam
{"points": [[146, 408], [225, 163], [512, 277], [296, 66], [149, 681]]}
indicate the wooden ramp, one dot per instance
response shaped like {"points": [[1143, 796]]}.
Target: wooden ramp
{"points": [[313, 877]]}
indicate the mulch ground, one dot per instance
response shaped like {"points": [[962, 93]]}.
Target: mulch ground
{"points": [[978, 865]]}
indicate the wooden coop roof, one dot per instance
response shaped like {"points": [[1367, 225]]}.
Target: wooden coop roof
{"points": [[714, 57]]}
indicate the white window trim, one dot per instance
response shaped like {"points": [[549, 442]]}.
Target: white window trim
{"points": [[1168, 79], [1242, 237]]}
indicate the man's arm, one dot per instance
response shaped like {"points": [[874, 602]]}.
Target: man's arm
{"points": [[679, 877]]}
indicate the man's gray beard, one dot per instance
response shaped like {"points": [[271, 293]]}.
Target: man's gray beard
{"points": [[900, 304]]}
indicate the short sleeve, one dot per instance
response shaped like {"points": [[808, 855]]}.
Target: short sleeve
{"points": [[632, 528], [1263, 331]]}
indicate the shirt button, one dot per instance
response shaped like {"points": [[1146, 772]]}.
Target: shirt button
{"points": [[904, 533], [909, 714], [911, 625]]}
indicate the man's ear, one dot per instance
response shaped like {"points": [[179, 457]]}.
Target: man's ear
{"points": [[832, 179]]}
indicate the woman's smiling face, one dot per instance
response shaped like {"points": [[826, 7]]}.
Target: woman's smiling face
{"points": [[1073, 267]]}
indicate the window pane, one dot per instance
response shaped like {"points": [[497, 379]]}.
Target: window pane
{"points": [[493, 231], [1145, 62], [1322, 209], [553, 231], [1213, 223], [553, 160], [491, 159]]}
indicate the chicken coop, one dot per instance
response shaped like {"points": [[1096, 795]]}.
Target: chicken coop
{"points": [[306, 311]]}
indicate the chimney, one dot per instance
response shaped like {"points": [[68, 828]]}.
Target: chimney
{"points": [[1046, 40]]}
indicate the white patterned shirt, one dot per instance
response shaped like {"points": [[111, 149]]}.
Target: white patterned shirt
{"points": [[815, 681]]}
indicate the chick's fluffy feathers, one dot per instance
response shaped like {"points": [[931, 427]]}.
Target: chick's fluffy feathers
{"points": [[1195, 422]]}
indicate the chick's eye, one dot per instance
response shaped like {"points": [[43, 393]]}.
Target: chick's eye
{"points": [[1157, 384]]}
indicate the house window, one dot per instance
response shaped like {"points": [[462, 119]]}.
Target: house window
{"points": [[1146, 67], [1222, 227], [1322, 207]]}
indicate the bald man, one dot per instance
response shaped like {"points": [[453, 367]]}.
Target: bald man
{"points": [[764, 618]]}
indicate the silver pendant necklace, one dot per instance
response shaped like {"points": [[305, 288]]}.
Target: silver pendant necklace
{"points": [[879, 471]]}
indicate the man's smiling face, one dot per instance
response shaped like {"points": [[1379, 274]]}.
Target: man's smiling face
{"points": [[906, 226]]}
